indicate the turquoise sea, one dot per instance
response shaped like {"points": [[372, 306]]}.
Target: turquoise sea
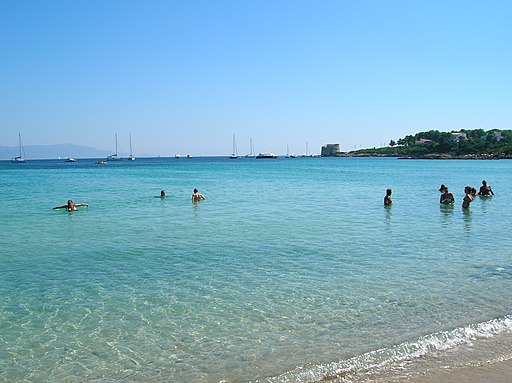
{"points": [[291, 270]]}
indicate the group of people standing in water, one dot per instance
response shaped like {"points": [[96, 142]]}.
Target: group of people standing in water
{"points": [[196, 196], [448, 198], [470, 193], [71, 206]]}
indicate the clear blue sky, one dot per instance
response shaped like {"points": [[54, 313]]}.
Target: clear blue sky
{"points": [[183, 76]]}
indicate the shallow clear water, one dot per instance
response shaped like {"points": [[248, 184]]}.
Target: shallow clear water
{"points": [[290, 270]]}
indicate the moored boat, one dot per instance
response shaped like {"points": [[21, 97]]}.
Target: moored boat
{"points": [[19, 158], [130, 157], [266, 155], [114, 157], [251, 154], [234, 154]]}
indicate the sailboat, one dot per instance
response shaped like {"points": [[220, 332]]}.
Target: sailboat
{"points": [[19, 158], [114, 157], [287, 151], [307, 151], [130, 157], [251, 154], [234, 155]]}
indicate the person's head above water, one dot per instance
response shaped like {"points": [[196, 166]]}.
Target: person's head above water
{"points": [[162, 193], [195, 190]]}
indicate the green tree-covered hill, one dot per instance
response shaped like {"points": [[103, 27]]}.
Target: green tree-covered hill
{"points": [[477, 143]]}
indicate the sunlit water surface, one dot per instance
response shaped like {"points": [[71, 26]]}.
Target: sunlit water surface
{"points": [[290, 270]]}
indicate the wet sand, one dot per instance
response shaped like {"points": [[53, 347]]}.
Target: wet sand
{"points": [[500, 372]]}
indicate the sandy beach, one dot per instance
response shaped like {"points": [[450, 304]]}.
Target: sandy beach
{"points": [[500, 372]]}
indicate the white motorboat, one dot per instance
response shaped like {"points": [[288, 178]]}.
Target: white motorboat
{"points": [[266, 155]]}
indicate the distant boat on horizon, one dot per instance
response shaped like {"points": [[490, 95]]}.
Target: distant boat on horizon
{"points": [[234, 154], [267, 155], [114, 157], [130, 157], [177, 156], [307, 152], [69, 159], [251, 153], [19, 158]]}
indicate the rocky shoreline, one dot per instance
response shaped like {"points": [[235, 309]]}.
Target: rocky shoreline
{"points": [[432, 156]]}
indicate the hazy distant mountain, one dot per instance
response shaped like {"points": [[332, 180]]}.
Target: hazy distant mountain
{"points": [[53, 151]]}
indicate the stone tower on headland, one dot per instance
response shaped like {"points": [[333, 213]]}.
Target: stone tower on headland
{"points": [[330, 150]]}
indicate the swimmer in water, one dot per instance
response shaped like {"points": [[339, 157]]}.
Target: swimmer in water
{"points": [[446, 196], [70, 206], [162, 194], [485, 190], [468, 198], [197, 196], [387, 199]]}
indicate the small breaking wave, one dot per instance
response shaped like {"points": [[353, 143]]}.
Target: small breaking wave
{"points": [[373, 361]]}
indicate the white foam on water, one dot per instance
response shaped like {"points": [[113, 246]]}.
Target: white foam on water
{"points": [[357, 368]]}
